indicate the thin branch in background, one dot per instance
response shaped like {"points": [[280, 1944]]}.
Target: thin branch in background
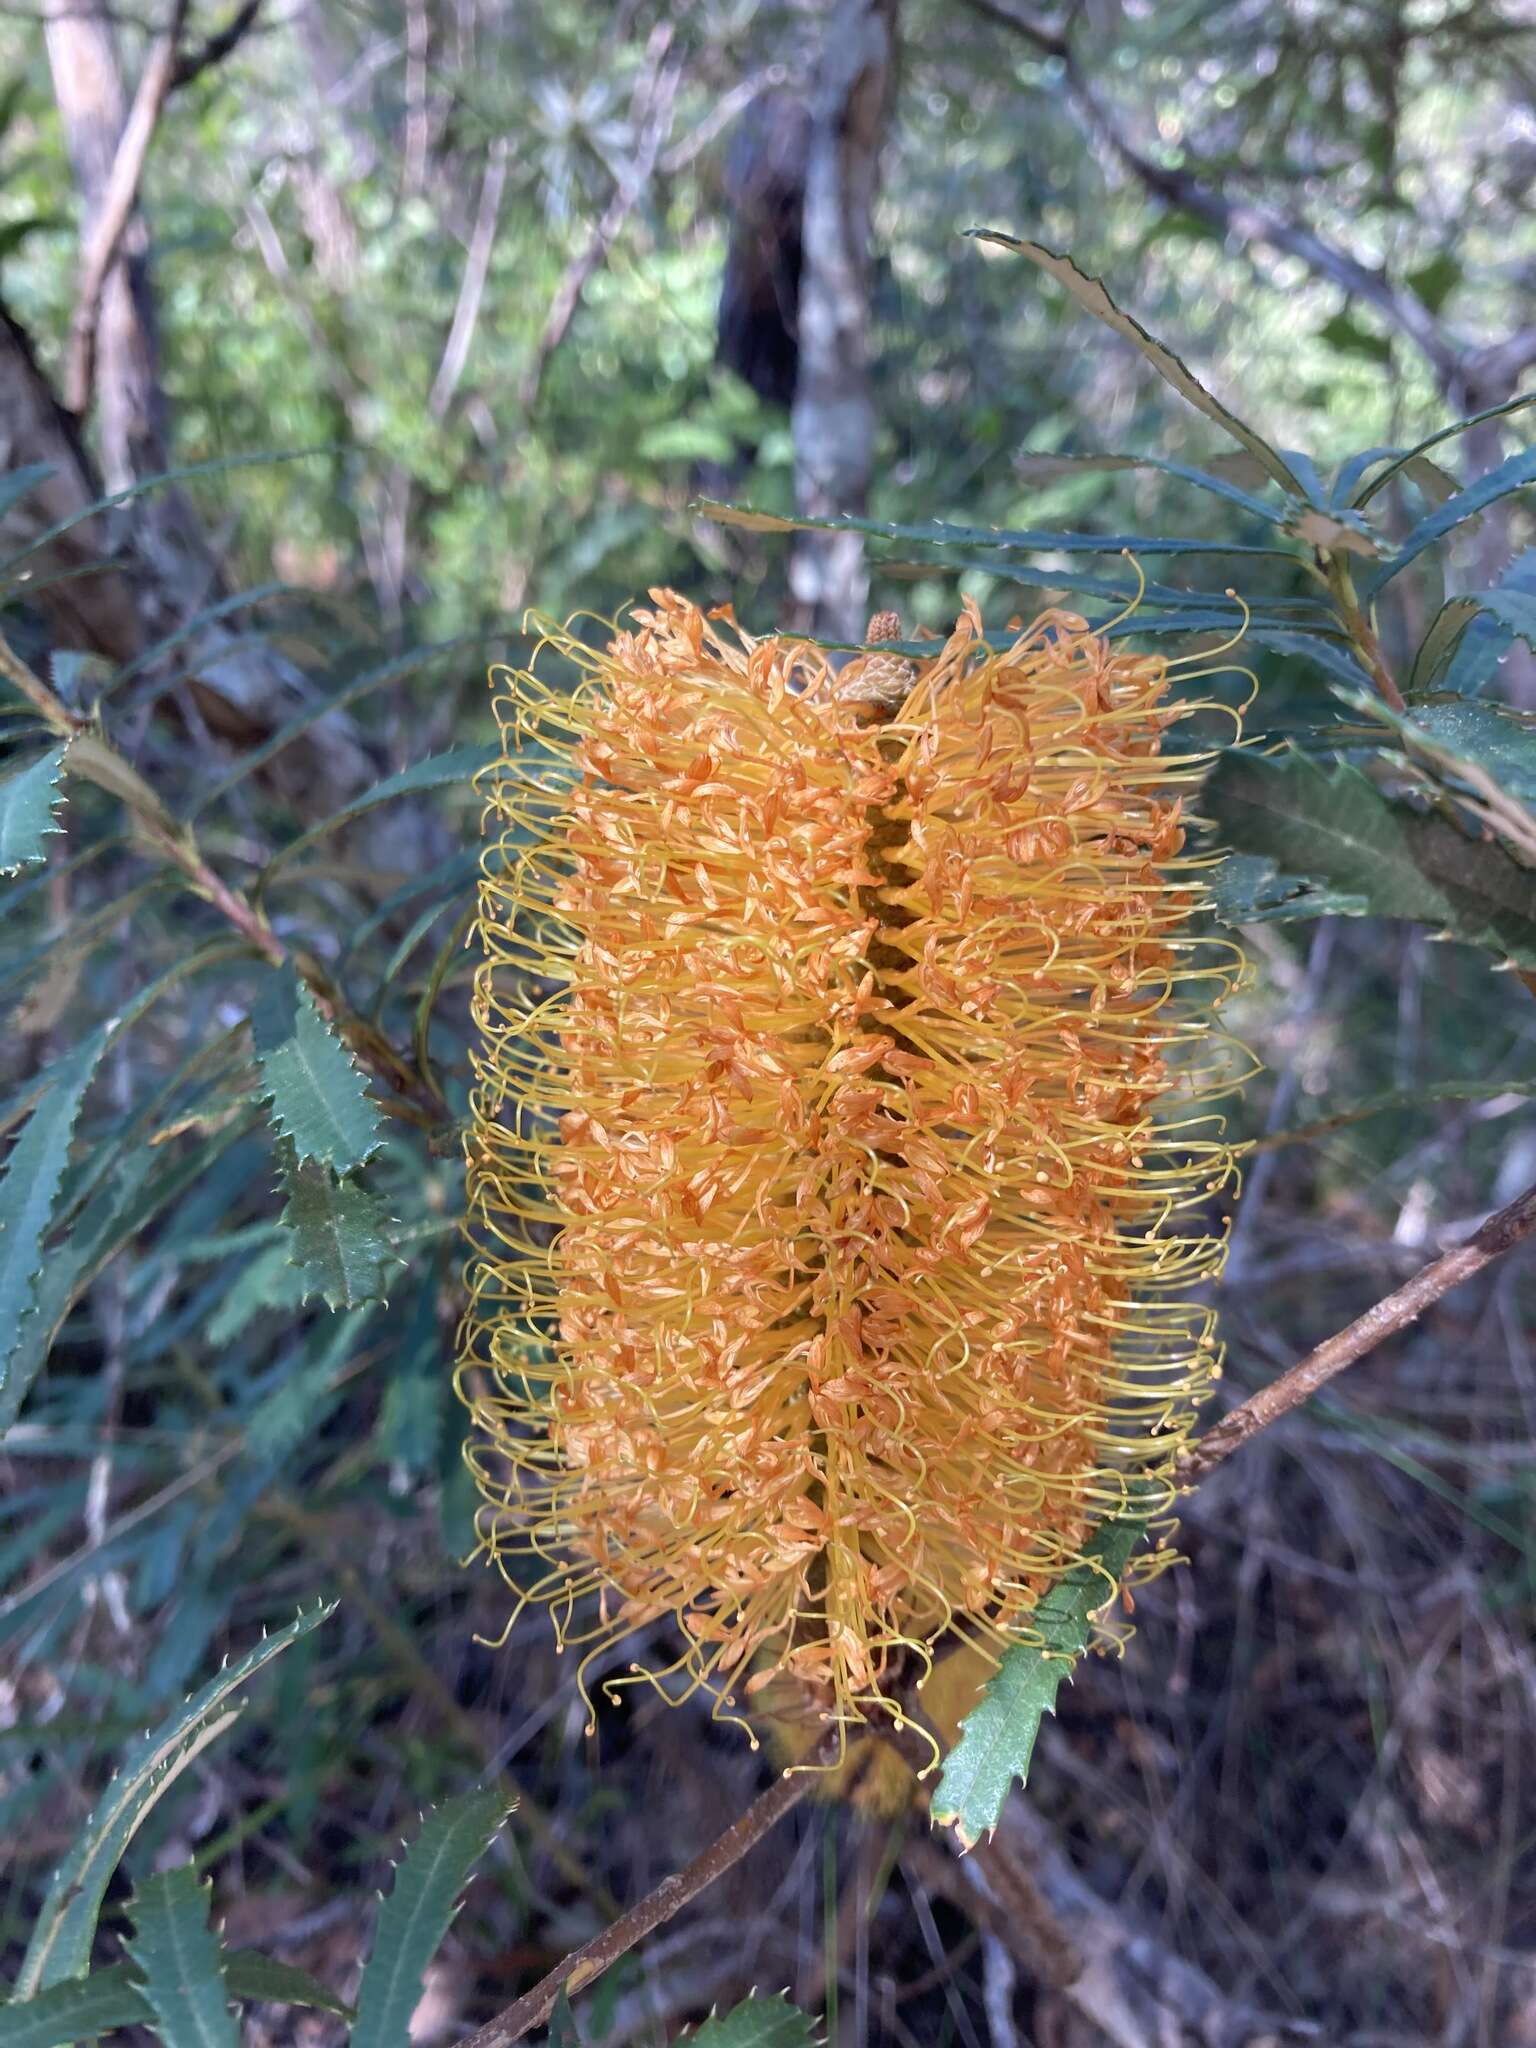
{"points": [[1503, 1230], [221, 44], [121, 196], [655, 98], [586, 1964], [466, 313]]}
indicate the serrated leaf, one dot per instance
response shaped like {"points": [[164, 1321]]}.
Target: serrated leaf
{"points": [[1032, 468], [60, 1945], [1404, 457], [1338, 830], [30, 1188], [317, 1095], [75, 2011], [757, 2023], [180, 1962], [1514, 474], [1248, 889], [268, 1281], [997, 1737], [1482, 754], [940, 533], [249, 1974], [563, 2030], [1092, 295], [1513, 615], [29, 803], [416, 1915], [437, 771], [338, 1237]]}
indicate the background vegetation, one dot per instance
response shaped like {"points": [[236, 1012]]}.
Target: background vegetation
{"points": [[422, 305]]}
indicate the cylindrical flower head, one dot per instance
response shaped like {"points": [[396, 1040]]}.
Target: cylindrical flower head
{"points": [[837, 1171]]}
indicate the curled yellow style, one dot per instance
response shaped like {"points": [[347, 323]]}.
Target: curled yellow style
{"points": [[838, 1170]]}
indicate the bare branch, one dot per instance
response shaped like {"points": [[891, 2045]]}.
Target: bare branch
{"points": [[1249, 220], [477, 265], [658, 94], [1498, 1235], [118, 201], [218, 46], [583, 1965]]}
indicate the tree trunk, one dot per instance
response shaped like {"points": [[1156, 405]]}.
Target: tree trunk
{"points": [[243, 686], [833, 416]]}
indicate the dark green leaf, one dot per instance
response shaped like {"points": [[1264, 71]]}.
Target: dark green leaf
{"points": [[316, 1094], [438, 771], [339, 1236], [252, 1975], [1047, 468], [1403, 457], [179, 1961], [30, 1187], [1091, 294], [60, 1945], [563, 2031], [75, 2011], [1344, 334], [1436, 279], [1247, 889], [1513, 474], [939, 533], [757, 2023], [414, 1918], [29, 803], [1380, 858], [997, 1738]]}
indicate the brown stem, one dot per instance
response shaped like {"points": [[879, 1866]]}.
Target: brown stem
{"points": [[588, 1962], [118, 202], [1502, 1231], [93, 756], [1361, 632]]}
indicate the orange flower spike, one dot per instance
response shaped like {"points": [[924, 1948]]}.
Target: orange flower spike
{"points": [[833, 1232]]}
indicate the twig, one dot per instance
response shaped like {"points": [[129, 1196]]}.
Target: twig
{"points": [[193, 63], [589, 1961], [658, 93], [1498, 1235], [472, 287], [118, 201], [93, 756]]}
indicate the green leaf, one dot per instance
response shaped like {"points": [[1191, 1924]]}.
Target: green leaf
{"points": [[1404, 457], [250, 1974], [1483, 754], [1512, 609], [416, 1915], [268, 1281], [1248, 889], [1048, 468], [30, 1188], [179, 1960], [563, 2030], [317, 1095], [339, 1237], [1435, 280], [940, 533], [757, 2023], [1513, 474], [1344, 334], [1489, 736], [16, 483], [29, 803], [1091, 294], [60, 1946], [75, 2011], [437, 771], [1377, 858], [997, 1737]]}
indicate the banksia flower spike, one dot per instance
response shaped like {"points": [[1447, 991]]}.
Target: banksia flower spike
{"points": [[838, 1159]]}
